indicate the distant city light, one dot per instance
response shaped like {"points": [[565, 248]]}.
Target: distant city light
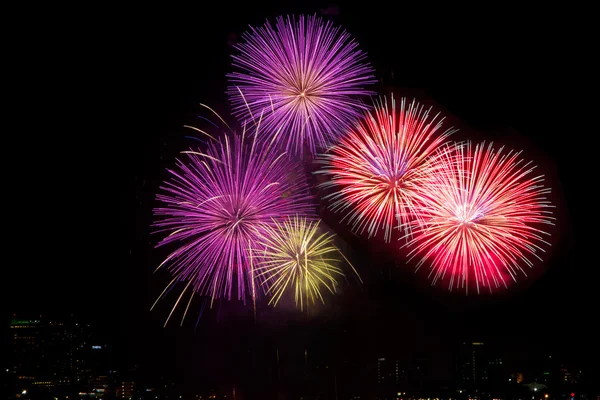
{"points": [[97, 347]]}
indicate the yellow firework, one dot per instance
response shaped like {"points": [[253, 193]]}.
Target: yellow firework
{"points": [[298, 256]]}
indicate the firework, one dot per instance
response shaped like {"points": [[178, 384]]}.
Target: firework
{"points": [[297, 255], [305, 75], [377, 169], [482, 218], [215, 205]]}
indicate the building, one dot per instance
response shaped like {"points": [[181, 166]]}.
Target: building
{"points": [[127, 388], [566, 376], [395, 374], [472, 364], [481, 370], [383, 371], [42, 355], [51, 357], [385, 377]]}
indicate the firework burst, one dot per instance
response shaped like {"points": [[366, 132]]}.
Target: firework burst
{"points": [[297, 255], [482, 218], [215, 206], [305, 75], [378, 167]]}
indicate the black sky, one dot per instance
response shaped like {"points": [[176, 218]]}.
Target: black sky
{"points": [[124, 96]]}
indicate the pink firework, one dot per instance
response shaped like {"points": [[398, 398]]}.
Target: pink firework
{"points": [[482, 218], [377, 169], [305, 76]]}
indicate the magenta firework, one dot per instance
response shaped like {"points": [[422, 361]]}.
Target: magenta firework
{"points": [[305, 76], [213, 207]]}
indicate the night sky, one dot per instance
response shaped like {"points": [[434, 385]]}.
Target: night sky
{"points": [[111, 121]]}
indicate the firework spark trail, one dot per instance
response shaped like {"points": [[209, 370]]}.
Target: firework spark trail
{"points": [[215, 205], [378, 167], [297, 255], [483, 217], [306, 75]]}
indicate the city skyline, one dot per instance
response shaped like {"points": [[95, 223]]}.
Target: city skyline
{"points": [[87, 365]]}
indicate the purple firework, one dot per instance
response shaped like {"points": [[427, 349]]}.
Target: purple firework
{"points": [[213, 206], [306, 76]]}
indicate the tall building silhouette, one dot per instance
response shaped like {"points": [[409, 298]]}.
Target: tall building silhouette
{"points": [[481, 369], [56, 357]]}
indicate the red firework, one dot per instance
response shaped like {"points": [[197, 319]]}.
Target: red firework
{"points": [[377, 169], [481, 218]]}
